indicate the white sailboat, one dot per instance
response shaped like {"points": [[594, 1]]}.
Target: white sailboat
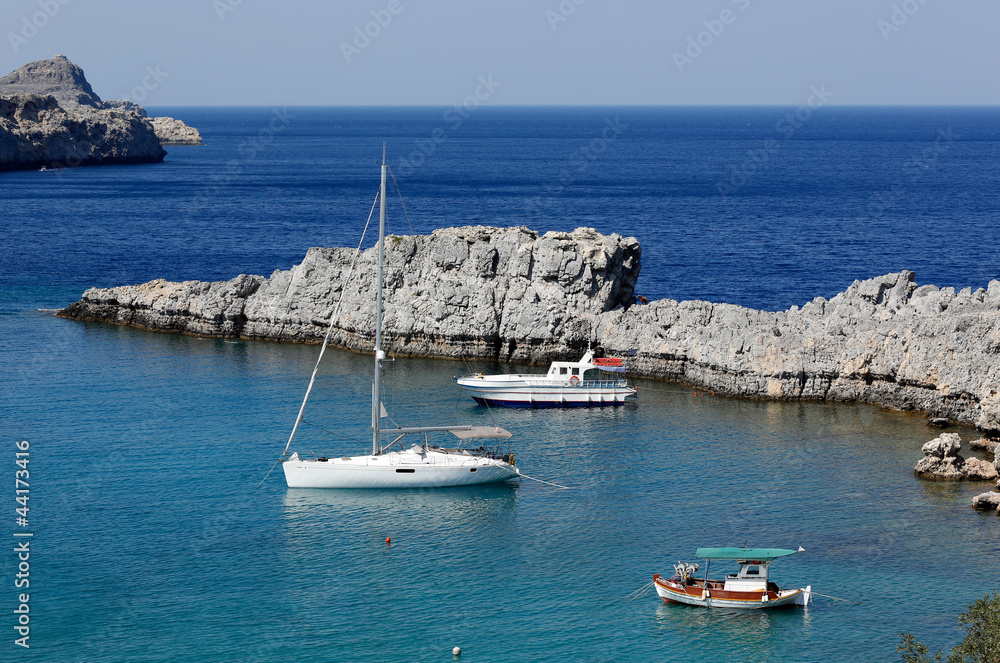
{"points": [[416, 466]]}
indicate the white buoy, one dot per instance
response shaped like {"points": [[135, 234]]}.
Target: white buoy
{"points": [[457, 651]]}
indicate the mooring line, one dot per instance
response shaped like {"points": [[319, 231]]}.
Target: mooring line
{"points": [[542, 481], [642, 591], [269, 472], [834, 598]]}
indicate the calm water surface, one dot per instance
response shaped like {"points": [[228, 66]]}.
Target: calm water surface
{"points": [[153, 542]]}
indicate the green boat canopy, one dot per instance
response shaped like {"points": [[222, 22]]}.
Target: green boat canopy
{"points": [[745, 554]]}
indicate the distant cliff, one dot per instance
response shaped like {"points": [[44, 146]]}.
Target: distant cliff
{"points": [[511, 295], [50, 116], [35, 132]]}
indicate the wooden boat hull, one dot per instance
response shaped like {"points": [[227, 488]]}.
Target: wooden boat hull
{"points": [[715, 597], [397, 470]]}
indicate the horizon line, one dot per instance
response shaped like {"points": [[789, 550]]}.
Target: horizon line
{"points": [[749, 105]]}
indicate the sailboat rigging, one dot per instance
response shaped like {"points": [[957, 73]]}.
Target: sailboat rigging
{"points": [[420, 465]]}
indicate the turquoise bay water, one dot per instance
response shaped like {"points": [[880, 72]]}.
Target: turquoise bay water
{"points": [[154, 543]]}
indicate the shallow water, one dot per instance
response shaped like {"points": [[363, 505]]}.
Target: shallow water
{"points": [[153, 541]]}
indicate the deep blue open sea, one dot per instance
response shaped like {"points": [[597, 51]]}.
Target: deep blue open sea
{"points": [[152, 541]]}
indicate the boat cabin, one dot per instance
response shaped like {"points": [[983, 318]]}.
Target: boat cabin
{"points": [[752, 576], [564, 370]]}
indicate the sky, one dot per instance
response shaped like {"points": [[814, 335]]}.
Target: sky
{"points": [[517, 52]]}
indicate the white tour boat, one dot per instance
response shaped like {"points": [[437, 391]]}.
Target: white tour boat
{"points": [[750, 588], [415, 466], [589, 382]]}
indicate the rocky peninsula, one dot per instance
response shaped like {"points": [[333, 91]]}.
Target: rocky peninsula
{"points": [[509, 294], [51, 117]]}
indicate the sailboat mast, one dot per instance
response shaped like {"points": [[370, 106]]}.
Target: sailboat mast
{"points": [[379, 355]]}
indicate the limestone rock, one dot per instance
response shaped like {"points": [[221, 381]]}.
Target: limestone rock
{"points": [[461, 292], [947, 444], [51, 117], [37, 132], [942, 462], [979, 470], [125, 105], [509, 294], [175, 132], [987, 502], [940, 469], [57, 77], [984, 443]]}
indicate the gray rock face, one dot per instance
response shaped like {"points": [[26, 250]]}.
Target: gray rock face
{"points": [[51, 117], [125, 105], [940, 469], [976, 469], [884, 341], [987, 502], [984, 443], [460, 292], [511, 295], [35, 132], [948, 444], [57, 77], [175, 132], [942, 462]]}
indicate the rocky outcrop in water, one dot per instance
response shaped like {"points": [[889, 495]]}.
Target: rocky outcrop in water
{"points": [[942, 462], [460, 292], [175, 132], [987, 502], [510, 295], [885, 341], [50, 116], [169, 130]]}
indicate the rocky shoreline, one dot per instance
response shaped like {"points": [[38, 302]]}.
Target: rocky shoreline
{"points": [[511, 295], [50, 117]]}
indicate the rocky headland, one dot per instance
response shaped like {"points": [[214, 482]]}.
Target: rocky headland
{"points": [[511, 295], [51, 117]]}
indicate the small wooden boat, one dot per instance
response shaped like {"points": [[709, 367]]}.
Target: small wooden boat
{"points": [[584, 383], [749, 589]]}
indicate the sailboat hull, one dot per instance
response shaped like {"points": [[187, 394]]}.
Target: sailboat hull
{"points": [[397, 470]]}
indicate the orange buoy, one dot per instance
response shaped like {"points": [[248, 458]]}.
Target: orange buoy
{"points": [[388, 540]]}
